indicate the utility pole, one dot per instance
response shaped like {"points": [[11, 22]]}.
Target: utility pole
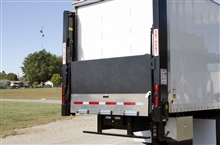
{"points": [[42, 36]]}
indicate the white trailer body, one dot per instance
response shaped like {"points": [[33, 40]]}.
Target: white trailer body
{"points": [[140, 64], [118, 29], [114, 26], [194, 58]]}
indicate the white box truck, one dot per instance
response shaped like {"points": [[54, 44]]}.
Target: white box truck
{"points": [[151, 67]]}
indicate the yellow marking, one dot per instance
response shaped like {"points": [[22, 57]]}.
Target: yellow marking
{"points": [[174, 96], [166, 107], [70, 29]]}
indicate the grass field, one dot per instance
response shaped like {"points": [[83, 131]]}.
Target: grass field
{"points": [[35, 93], [17, 115]]}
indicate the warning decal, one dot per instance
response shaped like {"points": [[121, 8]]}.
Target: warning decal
{"points": [[156, 43], [64, 53], [163, 76]]}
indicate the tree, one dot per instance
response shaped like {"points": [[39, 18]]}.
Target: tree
{"points": [[21, 84], [56, 79], [40, 66], [12, 77], [8, 83], [35, 84], [9, 76], [3, 75], [21, 79]]}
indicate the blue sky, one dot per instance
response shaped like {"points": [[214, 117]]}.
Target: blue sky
{"points": [[20, 25], [21, 22]]}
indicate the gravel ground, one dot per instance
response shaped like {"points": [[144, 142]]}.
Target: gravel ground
{"points": [[70, 132], [67, 132]]}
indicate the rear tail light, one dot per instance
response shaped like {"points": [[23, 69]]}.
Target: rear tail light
{"points": [[156, 88], [156, 101], [63, 100], [156, 93], [63, 95], [63, 90]]}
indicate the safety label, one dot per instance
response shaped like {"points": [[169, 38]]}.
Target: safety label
{"points": [[163, 76], [156, 43], [64, 53]]}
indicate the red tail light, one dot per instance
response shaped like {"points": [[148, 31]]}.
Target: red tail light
{"points": [[156, 101], [156, 88], [63, 99], [63, 95], [156, 93], [63, 90]]}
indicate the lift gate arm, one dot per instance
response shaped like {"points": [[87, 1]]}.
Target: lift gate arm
{"points": [[69, 55]]}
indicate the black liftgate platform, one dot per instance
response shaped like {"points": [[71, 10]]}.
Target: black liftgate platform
{"points": [[112, 76]]}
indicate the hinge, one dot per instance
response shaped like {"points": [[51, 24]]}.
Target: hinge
{"points": [[153, 63]]}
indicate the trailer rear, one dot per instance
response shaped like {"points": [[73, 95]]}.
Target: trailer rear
{"points": [[149, 67]]}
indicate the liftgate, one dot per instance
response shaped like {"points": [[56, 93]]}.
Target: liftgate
{"points": [[116, 86]]}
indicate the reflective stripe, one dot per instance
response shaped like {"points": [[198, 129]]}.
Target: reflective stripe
{"points": [[109, 103], [139, 103], [93, 103], [120, 103], [78, 103], [101, 103], [129, 103], [85, 103]]}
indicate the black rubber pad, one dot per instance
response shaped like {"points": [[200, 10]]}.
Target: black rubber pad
{"points": [[112, 76]]}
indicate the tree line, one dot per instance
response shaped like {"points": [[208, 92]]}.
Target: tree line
{"points": [[42, 66], [39, 66], [9, 76]]}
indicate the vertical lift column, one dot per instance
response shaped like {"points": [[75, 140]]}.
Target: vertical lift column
{"points": [[69, 55]]}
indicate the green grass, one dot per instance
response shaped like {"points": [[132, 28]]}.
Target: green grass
{"points": [[18, 115], [35, 93]]}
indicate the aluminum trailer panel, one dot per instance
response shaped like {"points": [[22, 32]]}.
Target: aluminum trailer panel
{"points": [[194, 55], [114, 28]]}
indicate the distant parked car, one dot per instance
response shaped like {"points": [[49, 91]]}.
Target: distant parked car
{"points": [[14, 85], [48, 83]]}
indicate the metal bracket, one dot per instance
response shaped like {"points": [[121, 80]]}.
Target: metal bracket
{"points": [[119, 135], [153, 63], [82, 111], [105, 112], [130, 113]]}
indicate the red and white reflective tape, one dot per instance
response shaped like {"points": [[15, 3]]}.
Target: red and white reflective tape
{"points": [[109, 103]]}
